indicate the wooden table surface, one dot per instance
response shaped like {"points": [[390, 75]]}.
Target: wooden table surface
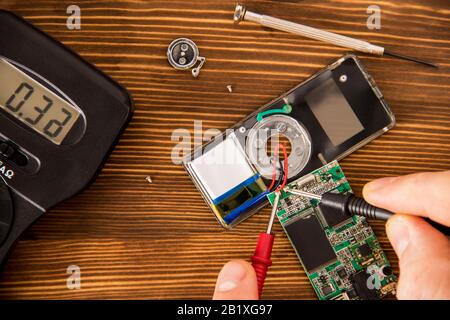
{"points": [[133, 239]]}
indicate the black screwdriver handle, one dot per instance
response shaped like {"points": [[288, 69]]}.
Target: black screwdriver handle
{"points": [[349, 204]]}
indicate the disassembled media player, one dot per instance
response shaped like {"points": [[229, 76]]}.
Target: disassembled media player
{"points": [[341, 255], [325, 118]]}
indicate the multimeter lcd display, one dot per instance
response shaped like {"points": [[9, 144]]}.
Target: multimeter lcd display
{"points": [[33, 104]]}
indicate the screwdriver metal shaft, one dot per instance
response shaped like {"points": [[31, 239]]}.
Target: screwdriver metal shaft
{"points": [[241, 14]]}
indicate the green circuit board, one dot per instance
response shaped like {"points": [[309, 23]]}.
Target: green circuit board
{"points": [[341, 255]]}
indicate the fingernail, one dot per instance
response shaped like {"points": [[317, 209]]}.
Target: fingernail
{"points": [[230, 276], [372, 189], [398, 232], [378, 184]]}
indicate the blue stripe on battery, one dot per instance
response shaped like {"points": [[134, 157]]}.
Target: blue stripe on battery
{"points": [[245, 207], [229, 193]]}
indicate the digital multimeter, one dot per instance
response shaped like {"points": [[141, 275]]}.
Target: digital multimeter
{"points": [[60, 117]]}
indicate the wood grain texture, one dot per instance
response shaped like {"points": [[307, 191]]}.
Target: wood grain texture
{"points": [[133, 239]]}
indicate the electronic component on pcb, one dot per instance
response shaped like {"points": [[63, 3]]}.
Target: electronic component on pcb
{"points": [[360, 284], [386, 270], [341, 273], [365, 250], [310, 242], [390, 288], [327, 289]]}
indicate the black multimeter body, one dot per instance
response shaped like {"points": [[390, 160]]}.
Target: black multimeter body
{"points": [[38, 169]]}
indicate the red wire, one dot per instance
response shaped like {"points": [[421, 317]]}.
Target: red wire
{"points": [[286, 167], [274, 174]]}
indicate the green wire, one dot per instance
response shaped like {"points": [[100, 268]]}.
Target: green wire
{"points": [[287, 108]]}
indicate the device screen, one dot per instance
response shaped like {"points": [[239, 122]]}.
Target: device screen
{"points": [[333, 112], [33, 104]]}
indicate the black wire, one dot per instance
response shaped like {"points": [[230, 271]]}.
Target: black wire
{"points": [[280, 177]]}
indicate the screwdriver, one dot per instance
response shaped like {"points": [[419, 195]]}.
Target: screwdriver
{"points": [[242, 14], [261, 258], [349, 204]]}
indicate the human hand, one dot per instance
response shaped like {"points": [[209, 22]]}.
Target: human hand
{"points": [[236, 281], [423, 252]]}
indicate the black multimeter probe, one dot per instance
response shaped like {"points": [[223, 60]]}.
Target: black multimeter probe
{"points": [[349, 204]]}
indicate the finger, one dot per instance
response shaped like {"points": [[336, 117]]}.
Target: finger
{"points": [[236, 281], [424, 258], [424, 194]]}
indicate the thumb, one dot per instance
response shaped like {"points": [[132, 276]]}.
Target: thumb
{"points": [[424, 257], [236, 281]]}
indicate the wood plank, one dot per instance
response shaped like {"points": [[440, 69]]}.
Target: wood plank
{"points": [[133, 239]]}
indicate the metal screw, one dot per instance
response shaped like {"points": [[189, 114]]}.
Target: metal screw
{"points": [[343, 78], [182, 60]]}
